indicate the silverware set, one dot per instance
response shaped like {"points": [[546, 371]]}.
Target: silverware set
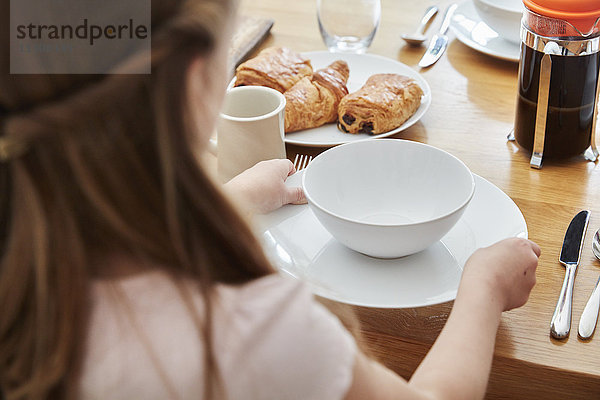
{"points": [[439, 42], [570, 255]]}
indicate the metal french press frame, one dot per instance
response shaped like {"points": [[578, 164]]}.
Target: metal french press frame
{"points": [[552, 46]]}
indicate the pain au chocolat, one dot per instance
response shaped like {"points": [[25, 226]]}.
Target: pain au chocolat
{"points": [[275, 67], [314, 101], [384, 103]]}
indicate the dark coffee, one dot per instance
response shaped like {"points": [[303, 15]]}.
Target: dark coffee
{"points": [[571, 102]]}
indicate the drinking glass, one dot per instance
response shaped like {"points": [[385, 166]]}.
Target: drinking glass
{"points": [[348, 26]]}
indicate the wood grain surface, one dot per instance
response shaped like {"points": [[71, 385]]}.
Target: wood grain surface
{"points": [[472, 111]]}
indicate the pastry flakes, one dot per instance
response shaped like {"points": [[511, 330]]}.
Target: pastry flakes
{"points": [[275, 67], [314, 101]]}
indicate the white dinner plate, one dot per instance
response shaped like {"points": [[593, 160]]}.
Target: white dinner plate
{"points": [[298, 245], [361, 66], [472, 31]]}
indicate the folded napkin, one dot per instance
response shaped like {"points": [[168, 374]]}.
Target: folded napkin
{"points": [[249, 32]]}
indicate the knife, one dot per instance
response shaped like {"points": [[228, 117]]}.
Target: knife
{"points": [[439, 41], [569, 257]]}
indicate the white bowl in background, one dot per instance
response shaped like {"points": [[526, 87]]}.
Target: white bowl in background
{"points": [[503, 16], [387, 198]]}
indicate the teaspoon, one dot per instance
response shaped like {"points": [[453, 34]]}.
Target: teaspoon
{"points": [[589, 316], [417, 38]]}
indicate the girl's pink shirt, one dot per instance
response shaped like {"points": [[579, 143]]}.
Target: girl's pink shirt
{"points": [[272, 340]]}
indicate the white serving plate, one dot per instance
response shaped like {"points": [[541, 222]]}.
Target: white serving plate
{"points": [[298, 245], [361, 66]]}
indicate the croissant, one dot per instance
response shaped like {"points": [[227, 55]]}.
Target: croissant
{"points": [[275, 67], [384, 103], [314, 101]]}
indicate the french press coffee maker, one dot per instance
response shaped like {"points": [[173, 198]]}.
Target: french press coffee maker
{"points": [[558, 79]]}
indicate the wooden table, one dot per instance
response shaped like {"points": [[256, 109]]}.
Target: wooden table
{"points": [[472, 111]]}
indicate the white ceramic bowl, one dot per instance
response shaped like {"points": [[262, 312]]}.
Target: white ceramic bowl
{"points": [[387, 198], [503, 16]]}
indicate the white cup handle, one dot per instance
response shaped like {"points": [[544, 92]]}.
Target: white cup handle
{"points": [[212, 146]]}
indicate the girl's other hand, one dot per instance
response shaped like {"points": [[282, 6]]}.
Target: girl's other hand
{"points": [[506, 270]]}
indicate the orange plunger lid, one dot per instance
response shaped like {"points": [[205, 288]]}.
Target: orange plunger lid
{"points": [[582, 14]]}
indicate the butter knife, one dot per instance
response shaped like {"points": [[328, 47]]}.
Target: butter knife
{"points": [[569, 257], [439, 41]]}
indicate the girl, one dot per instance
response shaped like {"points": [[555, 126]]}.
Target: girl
{"points": [[125, 273]]}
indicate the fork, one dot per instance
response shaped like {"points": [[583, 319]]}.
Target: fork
{"points": [[301, 161]]}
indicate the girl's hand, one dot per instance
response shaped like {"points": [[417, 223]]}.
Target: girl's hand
{"points": [[261, 189]]}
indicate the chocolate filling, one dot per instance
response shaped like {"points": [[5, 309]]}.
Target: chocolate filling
{"points": [[348, 119], [367, 127]]}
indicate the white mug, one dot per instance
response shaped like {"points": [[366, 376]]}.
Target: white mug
{"points": [[250, 129]]}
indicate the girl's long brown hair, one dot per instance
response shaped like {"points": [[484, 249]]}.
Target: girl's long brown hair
{"points": [[109, 169]]}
